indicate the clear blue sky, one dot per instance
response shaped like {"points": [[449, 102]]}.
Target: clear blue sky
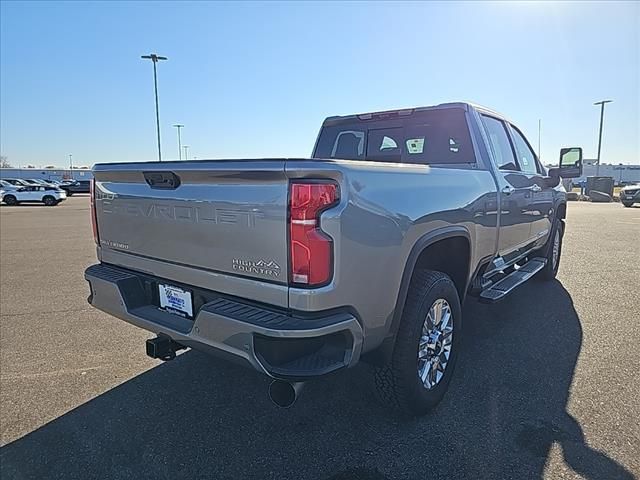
{"points": [[256, 79]]}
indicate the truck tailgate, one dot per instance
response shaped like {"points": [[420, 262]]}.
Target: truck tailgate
{"points": [[228, 218]]}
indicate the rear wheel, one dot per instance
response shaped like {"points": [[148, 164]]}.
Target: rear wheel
{"points": [[10, 200], [627, 204], [49, 201], [417, 376]]}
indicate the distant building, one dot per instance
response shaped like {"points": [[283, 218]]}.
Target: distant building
{"points": [[48, 173], [620, 173]]}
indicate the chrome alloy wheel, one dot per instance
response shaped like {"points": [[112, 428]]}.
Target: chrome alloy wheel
{"points": [[556, 249], [435, 343]]}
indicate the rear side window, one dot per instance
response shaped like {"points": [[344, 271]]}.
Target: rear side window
{"points": [[428, 137]]}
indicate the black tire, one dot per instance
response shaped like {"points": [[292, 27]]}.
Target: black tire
{"points": [[398, 384], [10, 200], [626, 204], [550, 269], [49, 201]]}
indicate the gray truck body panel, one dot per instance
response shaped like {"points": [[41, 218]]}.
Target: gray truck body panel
{"points": [[225, 230]]}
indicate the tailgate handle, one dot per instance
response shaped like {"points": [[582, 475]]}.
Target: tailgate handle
{"points": [[162, 180]]}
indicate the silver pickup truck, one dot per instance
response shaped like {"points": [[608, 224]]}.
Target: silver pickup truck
{"points": [[301, 267]]}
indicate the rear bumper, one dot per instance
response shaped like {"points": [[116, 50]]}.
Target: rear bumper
{"points": [[280, 343]]}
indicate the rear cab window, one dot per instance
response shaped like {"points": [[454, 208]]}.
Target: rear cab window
{"points": [[429, 137]]}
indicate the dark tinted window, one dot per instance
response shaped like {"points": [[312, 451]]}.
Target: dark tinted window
{"points": [[428, 137], [385, 144]]}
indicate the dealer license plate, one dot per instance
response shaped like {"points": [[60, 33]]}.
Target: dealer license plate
{"points": [[176, 300]]}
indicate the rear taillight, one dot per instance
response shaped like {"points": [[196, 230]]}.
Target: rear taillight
{"points": [[94, 220], [311, 249]]}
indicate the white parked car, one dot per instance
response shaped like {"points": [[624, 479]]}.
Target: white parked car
{"points": [[39, 181], [16, 182], [32, 193], [5, 186]]}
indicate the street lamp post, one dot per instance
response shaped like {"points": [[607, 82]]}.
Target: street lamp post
{"points": [[539, 130], [178, 126], [186, 152], [601, 103], [155, 58], [70, 162]]}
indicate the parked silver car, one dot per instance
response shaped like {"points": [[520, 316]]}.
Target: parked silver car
{"points": [[630, 194]]}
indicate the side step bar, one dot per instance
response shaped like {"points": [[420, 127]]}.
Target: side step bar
{"points": [[504, 287]]}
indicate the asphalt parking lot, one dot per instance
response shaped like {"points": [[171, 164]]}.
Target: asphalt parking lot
{"points": [[547, 385]]}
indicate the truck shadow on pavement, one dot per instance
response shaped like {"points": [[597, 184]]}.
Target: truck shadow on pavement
{"points": [[197, 417]]}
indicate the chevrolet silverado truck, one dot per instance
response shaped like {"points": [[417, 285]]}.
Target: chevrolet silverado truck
{"points": [[299, 268]]}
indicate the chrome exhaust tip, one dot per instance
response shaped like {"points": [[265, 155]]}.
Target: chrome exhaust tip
{"points": [[284, 394]]}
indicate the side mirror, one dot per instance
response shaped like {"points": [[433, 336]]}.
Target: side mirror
{"points": [[570, 163]]}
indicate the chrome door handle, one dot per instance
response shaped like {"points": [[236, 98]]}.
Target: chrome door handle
{"points": [[535, 187], [508, 190]]}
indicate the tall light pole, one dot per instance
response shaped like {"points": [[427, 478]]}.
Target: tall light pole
{"points": [[70, 162], [155, 58], [601, 103], [178, 126], [539, 129], [186, 152]]}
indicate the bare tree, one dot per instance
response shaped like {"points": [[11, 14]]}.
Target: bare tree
{"points": [[4, 162]]}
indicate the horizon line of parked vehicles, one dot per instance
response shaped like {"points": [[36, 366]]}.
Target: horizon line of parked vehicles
{"points": [[14, 191]]}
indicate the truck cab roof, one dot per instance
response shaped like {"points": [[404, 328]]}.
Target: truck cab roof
{"points": [[409, 111]]}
